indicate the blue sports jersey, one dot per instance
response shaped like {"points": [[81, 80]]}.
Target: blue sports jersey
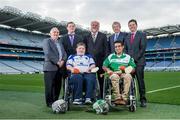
{"points": [[82, 62]]}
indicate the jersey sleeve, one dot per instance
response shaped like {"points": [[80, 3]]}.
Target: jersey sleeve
{"points": [[91, 61], [106, 62], [70, 61], [132, 63]]}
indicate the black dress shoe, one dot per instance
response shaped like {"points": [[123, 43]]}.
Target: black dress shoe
{"points": [[143, 104]]}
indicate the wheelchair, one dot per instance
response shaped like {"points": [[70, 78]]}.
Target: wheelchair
{"points": [[131, 100], [69, 95]]}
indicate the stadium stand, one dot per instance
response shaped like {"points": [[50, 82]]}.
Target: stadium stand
{"points": [[21, 36]]}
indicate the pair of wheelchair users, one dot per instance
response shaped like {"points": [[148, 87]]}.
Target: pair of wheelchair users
{"points": [[117, 65]]}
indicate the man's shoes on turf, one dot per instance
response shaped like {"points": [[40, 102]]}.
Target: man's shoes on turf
{"points": [[77, 101], [143, 103], [120, 102], [88, 101]]}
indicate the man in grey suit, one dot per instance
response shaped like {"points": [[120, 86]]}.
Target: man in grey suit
{"points": [[118, 35], [135, 46], [55, 57]]}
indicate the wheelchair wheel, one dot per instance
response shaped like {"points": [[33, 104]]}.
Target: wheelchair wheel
{"points": [[133, 96], [106, 87], [66, 93], [97, 91], [132, 108]]}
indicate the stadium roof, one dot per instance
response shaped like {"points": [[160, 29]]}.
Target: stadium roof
{"points": [[170, 29], [14, 17]]}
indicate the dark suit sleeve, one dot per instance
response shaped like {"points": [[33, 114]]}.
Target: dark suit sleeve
{"points": [[106, 46], [48, 52], [125, 45], [109, 44], [80, 38], [85, 42], [124, 36], [143, 44]]}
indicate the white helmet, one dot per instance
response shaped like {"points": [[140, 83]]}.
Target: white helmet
{"points": [[59, 106], [101, 107]]}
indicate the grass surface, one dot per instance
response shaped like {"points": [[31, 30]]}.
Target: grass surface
{"points": [[22, 96]]}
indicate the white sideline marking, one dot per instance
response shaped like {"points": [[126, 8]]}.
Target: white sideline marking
{"points": [[152, 91]]}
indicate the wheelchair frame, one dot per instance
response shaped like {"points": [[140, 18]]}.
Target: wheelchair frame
{"points": [[132, 99], [68, 92]]}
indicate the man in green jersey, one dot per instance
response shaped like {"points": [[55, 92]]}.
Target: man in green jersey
{"points": [[119, 65]]}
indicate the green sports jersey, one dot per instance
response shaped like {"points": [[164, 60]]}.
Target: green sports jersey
{"points": [[114, 61]]}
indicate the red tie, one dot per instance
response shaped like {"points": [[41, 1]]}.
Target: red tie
{"points": [[132, 38]]}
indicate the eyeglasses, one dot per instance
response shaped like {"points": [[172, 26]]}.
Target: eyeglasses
{"points": [[117, 46]]}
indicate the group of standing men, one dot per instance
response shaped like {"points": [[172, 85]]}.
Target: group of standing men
{"points": [[99, 46]]}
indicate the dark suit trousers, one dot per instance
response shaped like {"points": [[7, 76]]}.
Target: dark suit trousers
{"points": [[52, 81], [101, 82], [141, 84]]}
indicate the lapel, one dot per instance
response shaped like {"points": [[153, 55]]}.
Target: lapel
{"points": [[91, 39], [97, 38], [128, 39], [112, 37], [112, 41], [68, 40], [135, 42], [120, 36], [136, 38], [75, 40], [53, 46]]}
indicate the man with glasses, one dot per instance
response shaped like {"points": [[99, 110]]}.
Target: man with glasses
{"points": [[119, 65]]}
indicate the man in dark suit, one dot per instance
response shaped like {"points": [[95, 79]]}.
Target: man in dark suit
{"points": [[55, 57], [97, 46], [70, 40], [135, 46], [118, 35]]}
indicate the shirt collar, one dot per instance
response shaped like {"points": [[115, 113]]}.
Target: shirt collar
{"points": [[117, 33], [95, 33], [71, 34], [122, 54], [134, 32], [54, 40]]}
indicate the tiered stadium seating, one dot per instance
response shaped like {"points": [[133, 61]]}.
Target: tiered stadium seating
{"points": [[20, 66], [11, 36], [8, 70], [151, 44], [33, 61]]}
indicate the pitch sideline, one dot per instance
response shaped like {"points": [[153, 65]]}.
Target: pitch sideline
{"points": [[162, 89]]}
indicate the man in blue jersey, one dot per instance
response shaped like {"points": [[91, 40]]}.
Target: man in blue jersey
{"points": [[81, 66]]}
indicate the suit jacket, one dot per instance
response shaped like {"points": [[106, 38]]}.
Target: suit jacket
{"points": [[67, 44], [137, 48], [52, 55], [122, 36], [99, 49]]}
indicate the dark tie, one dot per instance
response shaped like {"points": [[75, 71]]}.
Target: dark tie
{"points": [[94, 37], [132, 38], [71, 37]]}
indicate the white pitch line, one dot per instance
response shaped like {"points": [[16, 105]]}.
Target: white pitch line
{"points": [[152, 91]]}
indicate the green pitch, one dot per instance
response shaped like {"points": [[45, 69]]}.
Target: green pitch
{"points": [[22, 96]]}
